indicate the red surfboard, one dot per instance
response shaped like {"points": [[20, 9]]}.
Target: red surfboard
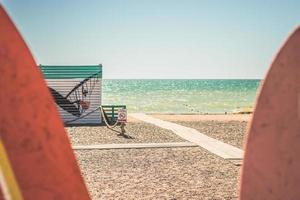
{"points": [[36, 158], [271, 167]]}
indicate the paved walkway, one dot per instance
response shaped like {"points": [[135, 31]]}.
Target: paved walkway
{"points": [[135, 146], [216, 147]]}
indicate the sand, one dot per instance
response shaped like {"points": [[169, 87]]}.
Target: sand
{"points": [[164, 173], [137, 132], [230, 132], [230, 129], [179, 173]]}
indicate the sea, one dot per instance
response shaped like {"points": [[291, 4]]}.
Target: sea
{"points": [[217, 96]]}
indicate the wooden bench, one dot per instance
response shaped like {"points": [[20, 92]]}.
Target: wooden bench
{"points": [[112, 111]]}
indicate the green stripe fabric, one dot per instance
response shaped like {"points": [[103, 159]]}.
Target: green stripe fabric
{"points": [[70, 71]]}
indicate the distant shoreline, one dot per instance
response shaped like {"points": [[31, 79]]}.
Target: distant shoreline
{"points": [[198, 117], [229, 113]]}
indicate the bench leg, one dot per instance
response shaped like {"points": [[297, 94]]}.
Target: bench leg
{"points": [[122, 126]]}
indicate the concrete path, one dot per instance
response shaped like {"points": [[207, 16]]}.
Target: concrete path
{"points": [[216, 147], [135, 146]]}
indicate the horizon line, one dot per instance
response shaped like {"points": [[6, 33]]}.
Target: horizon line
{"points": [[183, 78]]}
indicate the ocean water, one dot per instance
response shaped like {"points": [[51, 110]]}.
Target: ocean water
{"points": [[180, 96]]}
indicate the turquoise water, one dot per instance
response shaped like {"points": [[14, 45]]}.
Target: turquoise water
{"points": [[180, 96]]}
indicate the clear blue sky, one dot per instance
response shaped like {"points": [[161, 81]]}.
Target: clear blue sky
{"points": [[158, 38]]}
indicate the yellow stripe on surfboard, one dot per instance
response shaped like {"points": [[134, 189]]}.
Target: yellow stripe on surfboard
{"points": [[9, 185]]}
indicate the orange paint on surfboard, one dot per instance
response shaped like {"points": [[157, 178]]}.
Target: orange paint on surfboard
{"points": [[30, 127], [271, 167]]}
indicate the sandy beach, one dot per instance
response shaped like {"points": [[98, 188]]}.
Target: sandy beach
{"points": [[230, 129], [164, 173], [137, 132]]}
